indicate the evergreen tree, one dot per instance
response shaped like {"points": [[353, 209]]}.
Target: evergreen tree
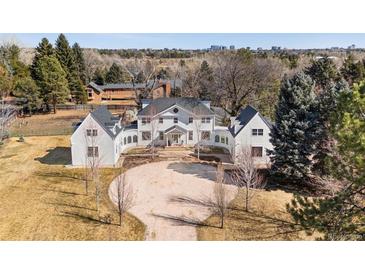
{"points": [[99, 77], [27, 89], [80, 62], [43, 49], [352, 71], [116, 74], [53, 81], [341, 216], [327, 107], [66, 57], [323, 71], [294, 133], [141, 78], [205, 81]]}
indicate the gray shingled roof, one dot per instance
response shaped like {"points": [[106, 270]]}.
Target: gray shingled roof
{"points": [[150, 84], [105, 119], [193, 105], [244, 118]]}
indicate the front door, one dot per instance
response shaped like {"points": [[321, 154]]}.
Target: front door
{"points": [[175, 138]]}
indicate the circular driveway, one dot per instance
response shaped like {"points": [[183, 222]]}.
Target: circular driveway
{"points": [[171, 198]]}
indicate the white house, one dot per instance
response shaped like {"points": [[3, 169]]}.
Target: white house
{"points": [[169, 122]]}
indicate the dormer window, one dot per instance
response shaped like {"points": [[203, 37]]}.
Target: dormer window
{"points": [[190, 120], [257, 132]]}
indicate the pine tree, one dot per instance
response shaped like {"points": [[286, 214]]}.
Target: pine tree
{"points": [[205, 81], [116, 74], [341, 216], [52, 81], [80, 62], [352, 71], [66, 58], [43, 49], [294, 133], [323, 71], [27, 89], [327, 107], [99, 77]]}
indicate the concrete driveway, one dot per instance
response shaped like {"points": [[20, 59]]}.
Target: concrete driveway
{"points": [[170, 197]]}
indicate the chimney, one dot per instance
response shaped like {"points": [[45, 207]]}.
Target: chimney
{"points": [[232, 121]]}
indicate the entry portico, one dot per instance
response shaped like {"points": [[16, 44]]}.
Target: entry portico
{"points": [[175, 135]]}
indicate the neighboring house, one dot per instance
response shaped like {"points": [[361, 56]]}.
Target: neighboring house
{"points": [[169, 122], [128, 92]]}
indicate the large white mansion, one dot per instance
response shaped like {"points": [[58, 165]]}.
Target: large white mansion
{"points": [[169, 122]]}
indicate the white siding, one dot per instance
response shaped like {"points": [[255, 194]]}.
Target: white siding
{"points": [[246, 139], [104, 142]]}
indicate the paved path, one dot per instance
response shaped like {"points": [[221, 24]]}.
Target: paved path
{"points": [[168, 197]]}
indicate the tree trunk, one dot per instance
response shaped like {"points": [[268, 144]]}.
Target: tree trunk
{"points": [[247, 199], [222, 220]]}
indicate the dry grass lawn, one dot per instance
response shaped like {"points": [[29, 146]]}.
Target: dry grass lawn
{"points": [[267, 220], [43, 200], [48, 124]]}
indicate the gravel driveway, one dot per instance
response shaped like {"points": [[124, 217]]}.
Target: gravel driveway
{"points": [[170, 197]]}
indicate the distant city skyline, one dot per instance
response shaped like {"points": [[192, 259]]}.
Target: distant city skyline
{"points": [[195, 40]]}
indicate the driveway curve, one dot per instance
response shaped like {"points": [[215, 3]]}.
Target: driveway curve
{"points": [[172, 198]]}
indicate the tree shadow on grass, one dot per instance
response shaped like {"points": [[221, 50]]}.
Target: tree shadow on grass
{"points": [[56, 156], [88, 219], [71, 206], [276, 226], [62, 191]]}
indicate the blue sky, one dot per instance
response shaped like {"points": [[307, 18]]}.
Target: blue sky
{"points": [[195, 40]]}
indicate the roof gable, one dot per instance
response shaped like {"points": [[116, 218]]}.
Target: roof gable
{"points": [[192, 105], [105, 119], [244, 117]]}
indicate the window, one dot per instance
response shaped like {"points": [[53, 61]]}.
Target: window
{"points": [[257, 132], [125, 140], [92, 152], [205, 135], [161, 135], [134, 138], [206, 120], [216, 139], [190, 120], [160, 120], [176, 110], [92, 132], [222, 139], [176, 120], [190, 135], [256, 151], [226, 140], [146, 135], [129, 139], [90, 93], [146, 120]]}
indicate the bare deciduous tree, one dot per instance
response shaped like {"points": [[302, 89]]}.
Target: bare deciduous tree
{"points": [[220, 201], [7, 114], [239, 79], [92, 173], [123, 196], [246, 175]]}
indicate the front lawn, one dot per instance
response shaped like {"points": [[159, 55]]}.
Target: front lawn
{"points": [[43, 200], [267, 220]]}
